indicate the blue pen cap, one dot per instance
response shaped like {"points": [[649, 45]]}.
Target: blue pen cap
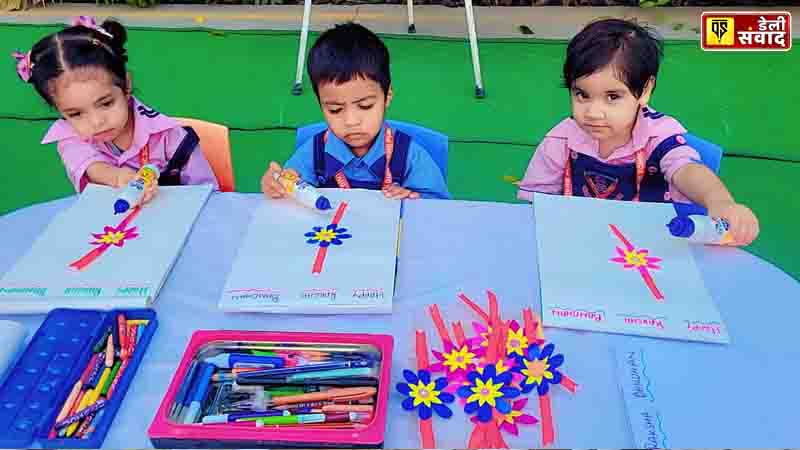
{"points": [[681, 227], [323, 203], [120, 206]]}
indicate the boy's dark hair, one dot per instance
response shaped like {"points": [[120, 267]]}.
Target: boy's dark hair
{"points": [[77, 47], [348, 51], [634, 51]]}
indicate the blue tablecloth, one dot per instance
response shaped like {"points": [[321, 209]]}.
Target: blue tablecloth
{"points": [[453, 246]]}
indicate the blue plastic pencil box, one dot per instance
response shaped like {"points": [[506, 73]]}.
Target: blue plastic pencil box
{"points": [[57, 357]]}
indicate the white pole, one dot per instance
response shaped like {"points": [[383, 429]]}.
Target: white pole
{"points": [[473, 45], [297, 89], [411, 27]]}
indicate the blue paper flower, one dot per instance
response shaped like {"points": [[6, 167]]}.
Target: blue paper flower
{"points": [[425, 395], [488, 391], [327, 236], [539, 369]]}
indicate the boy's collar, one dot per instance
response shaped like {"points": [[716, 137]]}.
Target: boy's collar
{"points": [[344, 154]]}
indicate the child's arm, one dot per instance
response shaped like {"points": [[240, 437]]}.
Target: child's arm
{"points": [[84, 164], [546, 170], [109, 175], [117, 177], [423, 177], [702, 186]]}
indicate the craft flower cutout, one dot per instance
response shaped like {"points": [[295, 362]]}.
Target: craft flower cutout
{"points": [[500, 367], [425, 395], [326, 236], [114, 236], [508, 422], [456, 362], [480, 342], [516, 342], [488, 391], [636, 258], [540, 369]]}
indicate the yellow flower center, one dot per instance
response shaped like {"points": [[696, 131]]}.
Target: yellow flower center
{"points": [[325, 235], [458, 359], [485, 392], [516, 343], [424, 393], [112, 237], [534, 371], [635, 258]]}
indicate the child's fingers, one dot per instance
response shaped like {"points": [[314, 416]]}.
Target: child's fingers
{"points": [[153, 189], [272, 189], [274, 167], [737, 230], [744, 225], [269, 186], [414, 195], [146, 196], [756, 230], [750, 231], [396, 192], [748, 236]]}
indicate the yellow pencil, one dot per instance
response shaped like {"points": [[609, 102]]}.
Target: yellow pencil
{"points": [[82, 405]]}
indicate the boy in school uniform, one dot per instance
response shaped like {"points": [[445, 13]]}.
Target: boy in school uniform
{"points": [[349, 70]]}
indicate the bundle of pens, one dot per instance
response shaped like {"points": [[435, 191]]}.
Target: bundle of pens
{"points": [[92, 393], [260, 384], [490, 372]]}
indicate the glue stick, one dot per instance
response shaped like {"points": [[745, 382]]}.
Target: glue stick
{"points": [[303, 192], [134, 191], [701, 229]]}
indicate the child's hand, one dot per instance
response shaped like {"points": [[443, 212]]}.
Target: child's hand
{"points": [[743, 223], [124, 176], [270, 186], [398, 192], [149, 192]]}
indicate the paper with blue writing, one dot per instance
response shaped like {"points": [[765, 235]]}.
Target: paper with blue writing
{"points": [[644, 412], [88, 257], [612, 266], [298, 260], [690, 395]]}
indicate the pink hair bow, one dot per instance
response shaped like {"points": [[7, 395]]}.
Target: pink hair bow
{"points": [[24, 65], [89, 22]]}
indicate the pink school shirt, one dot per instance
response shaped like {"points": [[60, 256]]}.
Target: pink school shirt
{"points": [[163, 135], [546, 169]]}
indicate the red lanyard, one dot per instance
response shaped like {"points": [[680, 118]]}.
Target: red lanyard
{"points": [[640, 168], [144, 156], [388, 148]]}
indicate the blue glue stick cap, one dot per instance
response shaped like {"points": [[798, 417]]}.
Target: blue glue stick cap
{"points": [[681, 227], [120, 206], [323, 203]]}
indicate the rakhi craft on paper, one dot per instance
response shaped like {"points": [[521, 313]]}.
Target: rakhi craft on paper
{"points": [[613, 266], [88, 257], [300, 260]]}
